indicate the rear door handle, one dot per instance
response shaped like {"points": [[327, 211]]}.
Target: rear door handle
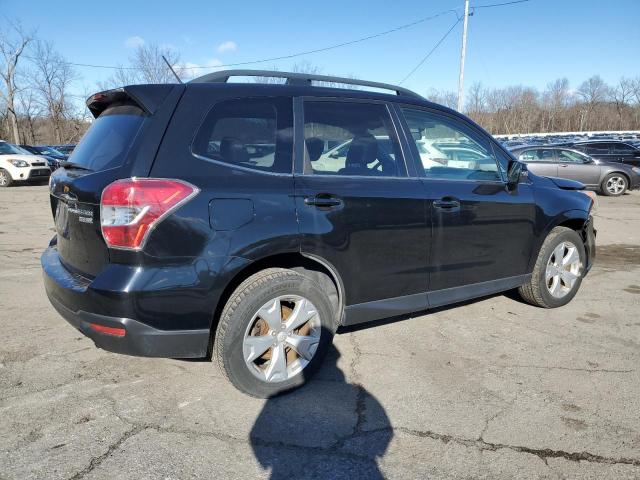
{"points": [[447, 204], [323, 200]]}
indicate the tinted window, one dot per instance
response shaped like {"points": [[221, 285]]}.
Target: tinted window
{"points": [[597, 149], [449, 149], [537, 155], [350, 138], [622, 149], [250, 133], [107, 141]]}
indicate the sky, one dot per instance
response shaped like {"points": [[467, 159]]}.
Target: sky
{"points": [[531, 43]]}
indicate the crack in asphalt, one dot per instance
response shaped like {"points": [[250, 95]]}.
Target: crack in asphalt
{"points": [[571, 369], [542, 453], [96, 461], [337, 448]]}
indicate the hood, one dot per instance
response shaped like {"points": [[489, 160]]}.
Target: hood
{"points": [[30, 159], [566, 184]]}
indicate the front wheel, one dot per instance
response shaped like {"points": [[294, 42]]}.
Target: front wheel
{"points": [[614, 185], [5, 178], [558, 271], [274, 332]]}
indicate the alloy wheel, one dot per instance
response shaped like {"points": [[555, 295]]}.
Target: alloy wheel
{"points": [[3, 179], [563, 269], [281, 338], [616, 185]]}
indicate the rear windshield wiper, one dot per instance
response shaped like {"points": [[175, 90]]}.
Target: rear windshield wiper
{"points": [[68, 164]]}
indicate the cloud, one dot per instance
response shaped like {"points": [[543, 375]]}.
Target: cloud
{"points": [[134, 42], [228, 46], [192, 70]]}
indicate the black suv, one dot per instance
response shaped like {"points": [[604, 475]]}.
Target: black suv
{"points": [[247, 222]]}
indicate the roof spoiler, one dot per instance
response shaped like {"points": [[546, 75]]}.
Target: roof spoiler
{"points": [[147, 97]]}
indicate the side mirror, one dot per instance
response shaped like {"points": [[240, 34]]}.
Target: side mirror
{"points": [[513, 174]]}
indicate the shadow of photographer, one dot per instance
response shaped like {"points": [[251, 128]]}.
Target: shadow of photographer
{"points": [[328, 429]]}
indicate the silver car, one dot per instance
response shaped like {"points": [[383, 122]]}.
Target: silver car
{"points": [[608, 178]]}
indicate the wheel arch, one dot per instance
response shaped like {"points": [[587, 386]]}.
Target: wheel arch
{"points": [[619, 172], [311, 265], [574, 219]]}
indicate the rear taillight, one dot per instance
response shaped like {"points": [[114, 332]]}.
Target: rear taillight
{"points": [[131, 208]]}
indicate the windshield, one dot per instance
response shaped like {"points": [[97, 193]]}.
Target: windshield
{"points": [[8, 149], [106, 143], [48, 151]]}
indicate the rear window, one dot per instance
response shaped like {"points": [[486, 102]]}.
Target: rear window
{"points": [[107, 141], [250, 133]]}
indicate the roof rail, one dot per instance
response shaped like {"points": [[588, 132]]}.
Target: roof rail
{"points": [[300, 79]]}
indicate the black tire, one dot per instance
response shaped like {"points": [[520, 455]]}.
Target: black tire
{"points": [[535, 291], [621, 180], [5, 178], [239, 310]]}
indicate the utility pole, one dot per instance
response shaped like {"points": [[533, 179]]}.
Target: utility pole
{"points": [[462, 55]]}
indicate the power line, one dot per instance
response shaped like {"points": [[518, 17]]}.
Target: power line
{"points": [[500, 4], [288, 56], [424, 59]]}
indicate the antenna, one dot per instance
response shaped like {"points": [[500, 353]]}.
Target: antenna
{"points": [[171, 68]]}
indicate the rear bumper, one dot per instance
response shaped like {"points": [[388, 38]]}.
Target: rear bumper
{"points": [[76, 299]]}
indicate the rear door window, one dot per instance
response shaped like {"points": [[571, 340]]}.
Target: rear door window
{"points": [[107, 142], [248, 133], [350, 139], [622, 149]]}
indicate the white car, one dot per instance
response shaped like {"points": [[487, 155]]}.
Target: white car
{"points": [[17, 164]]}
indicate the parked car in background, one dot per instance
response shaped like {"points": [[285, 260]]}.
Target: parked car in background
{"points": [[608, 178], [65, 149], [17, 164], [53, 156], [609, 151], [253, 254]]}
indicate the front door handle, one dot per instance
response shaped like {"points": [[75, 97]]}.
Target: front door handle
{"points": [[448, 204], [323, 200], [564, 165]]}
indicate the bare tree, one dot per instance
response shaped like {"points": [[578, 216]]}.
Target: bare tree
{"points": [[145, 66], [53, 78], [621, 96], [593, 93], [151, 68], [443, 97], [13, 42]]}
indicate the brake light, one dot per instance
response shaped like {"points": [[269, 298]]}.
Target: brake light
{"points": [[131, 208]]}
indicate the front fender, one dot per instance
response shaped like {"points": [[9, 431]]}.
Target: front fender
{"points": [[576, 218]]}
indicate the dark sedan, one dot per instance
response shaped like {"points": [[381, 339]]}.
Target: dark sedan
{"points": [[53, 156], [609, 178]]}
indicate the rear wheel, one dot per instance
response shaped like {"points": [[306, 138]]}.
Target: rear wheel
{"points": [[558, 271], [614, 184], [274, 332], [5, 178]]}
